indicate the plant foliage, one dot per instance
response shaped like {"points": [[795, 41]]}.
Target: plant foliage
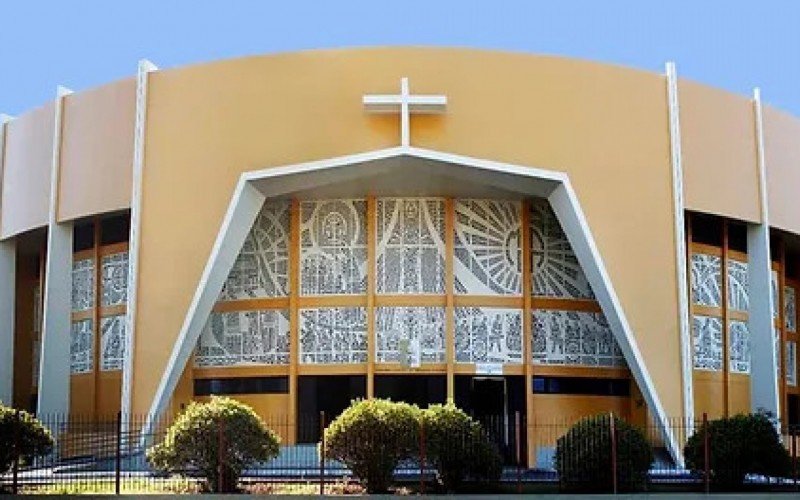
{"points": [[21, 437]]}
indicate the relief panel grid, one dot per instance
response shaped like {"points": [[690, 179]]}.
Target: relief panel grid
{"points": [[791, 363], [244, 338], [81, 342], [738, 288], [114, 279], [706, 280], [488, 249], [574, 338], [556, 271], [334, 335], [422, 324], [262, 267], [739, 335], [707, 335], [488, 335], [790, 308], [82, 285], [410, 253], [333, 252], [112, 342]]}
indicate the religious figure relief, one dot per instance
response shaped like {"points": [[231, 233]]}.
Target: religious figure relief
{"points": [[416, 326], [262, 267], [410, 253], [556, 271], [114, 280], [80, 349], [738, 289], [112, 342], [333, 335], [706, 280], [82, 285], [707, 333], [488, 335], [790, 308], [488, 249], [244, 338], [333, 251], [574, 338], [739, 335], [791, 363]]}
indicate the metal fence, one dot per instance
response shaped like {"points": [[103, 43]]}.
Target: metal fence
{"points": [[108, 455]]}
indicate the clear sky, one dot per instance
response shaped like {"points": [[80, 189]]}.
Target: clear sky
{"points": [[736, 45]]}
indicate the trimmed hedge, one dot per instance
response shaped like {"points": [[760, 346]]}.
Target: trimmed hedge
{"points": [[21, 429], [193, 442]]}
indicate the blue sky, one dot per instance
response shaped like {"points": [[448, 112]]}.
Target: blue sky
{"points": [[736, 45]]}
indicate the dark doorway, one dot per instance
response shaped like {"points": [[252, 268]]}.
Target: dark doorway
{"points": [[420, 390], [328, 393]]}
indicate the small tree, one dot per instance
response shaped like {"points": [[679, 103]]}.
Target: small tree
{"points": [[583, 456], [221, 432], [22, 437], [371, 437], [459, 447], [738, 445]]}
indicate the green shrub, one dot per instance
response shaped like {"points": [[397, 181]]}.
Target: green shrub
{"points": [[371, 437], [583, 456], [193, 442], [738, 445], [21, 431], [458, 447]]}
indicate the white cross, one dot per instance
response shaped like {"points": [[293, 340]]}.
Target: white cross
{"points": [[405, 104]]}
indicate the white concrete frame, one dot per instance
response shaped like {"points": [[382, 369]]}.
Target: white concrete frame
{"points": [[676, 155], [54, 363], [8, 265], [764, 391], [145, 68], [247, 201]]}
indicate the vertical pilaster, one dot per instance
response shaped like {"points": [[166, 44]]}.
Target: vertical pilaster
{"points": [[763, 379], [8, 264], [54, 371], [98, 275], [726, 354], [371, 340], [527, 317], [450, 319], [294, 313], [781, 328]]}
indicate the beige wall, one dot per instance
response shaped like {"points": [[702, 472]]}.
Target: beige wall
{"points": [[606, 126], [97, 150], [782, 151], [26, 175], [720, 167]]}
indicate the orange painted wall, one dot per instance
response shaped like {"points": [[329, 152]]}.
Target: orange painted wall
{"points": [[709, 394], [782, 148], [97, 150], [26, 171]]}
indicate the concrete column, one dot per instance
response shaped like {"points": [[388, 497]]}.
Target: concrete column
{"points": [[8, 263]]}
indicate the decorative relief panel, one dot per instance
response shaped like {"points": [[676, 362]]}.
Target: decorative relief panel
{"points": [[82, 285], [114, 281], [488, 335], [410, 253], [706, 280], [244, 338], [556, 271], [776, 347], [262, 266], [415, 326], [574, 338], [707, 333], [738, 288], [739, 335], [775, 299], [790, 308], [112, 342], [488, 249], [791, 363], [81, 342], [333, 335], [333, 251]]}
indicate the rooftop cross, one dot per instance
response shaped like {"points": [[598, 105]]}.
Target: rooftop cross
{"points": [[405, 103]]}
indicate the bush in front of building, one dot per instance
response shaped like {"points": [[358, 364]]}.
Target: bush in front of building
{"points": [[371, 437], [737, 446], [22, 437], [458, 447], [218, 439], [584, 456]]}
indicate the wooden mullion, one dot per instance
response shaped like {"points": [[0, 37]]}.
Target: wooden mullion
{"points": [[782, 329], [96, 344], [450, 323], [725, 327], [294, 314], [371, 277], [527, 318]]}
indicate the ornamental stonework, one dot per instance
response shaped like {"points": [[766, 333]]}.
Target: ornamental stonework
{"points": [[402, 330], [81, 343], [488, 335], [707, 337], [82, 285], [738, 289], [706, 280], [739, 335], [574, 338], [114, 279], [112, 342], [333, 335], [244, 338]]}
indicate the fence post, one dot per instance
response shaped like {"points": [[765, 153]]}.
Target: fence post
{"points": [[118, 454], [322, 452], [517, 434], [706, 455], [613, 435], [15, 472], [422, 456]]}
